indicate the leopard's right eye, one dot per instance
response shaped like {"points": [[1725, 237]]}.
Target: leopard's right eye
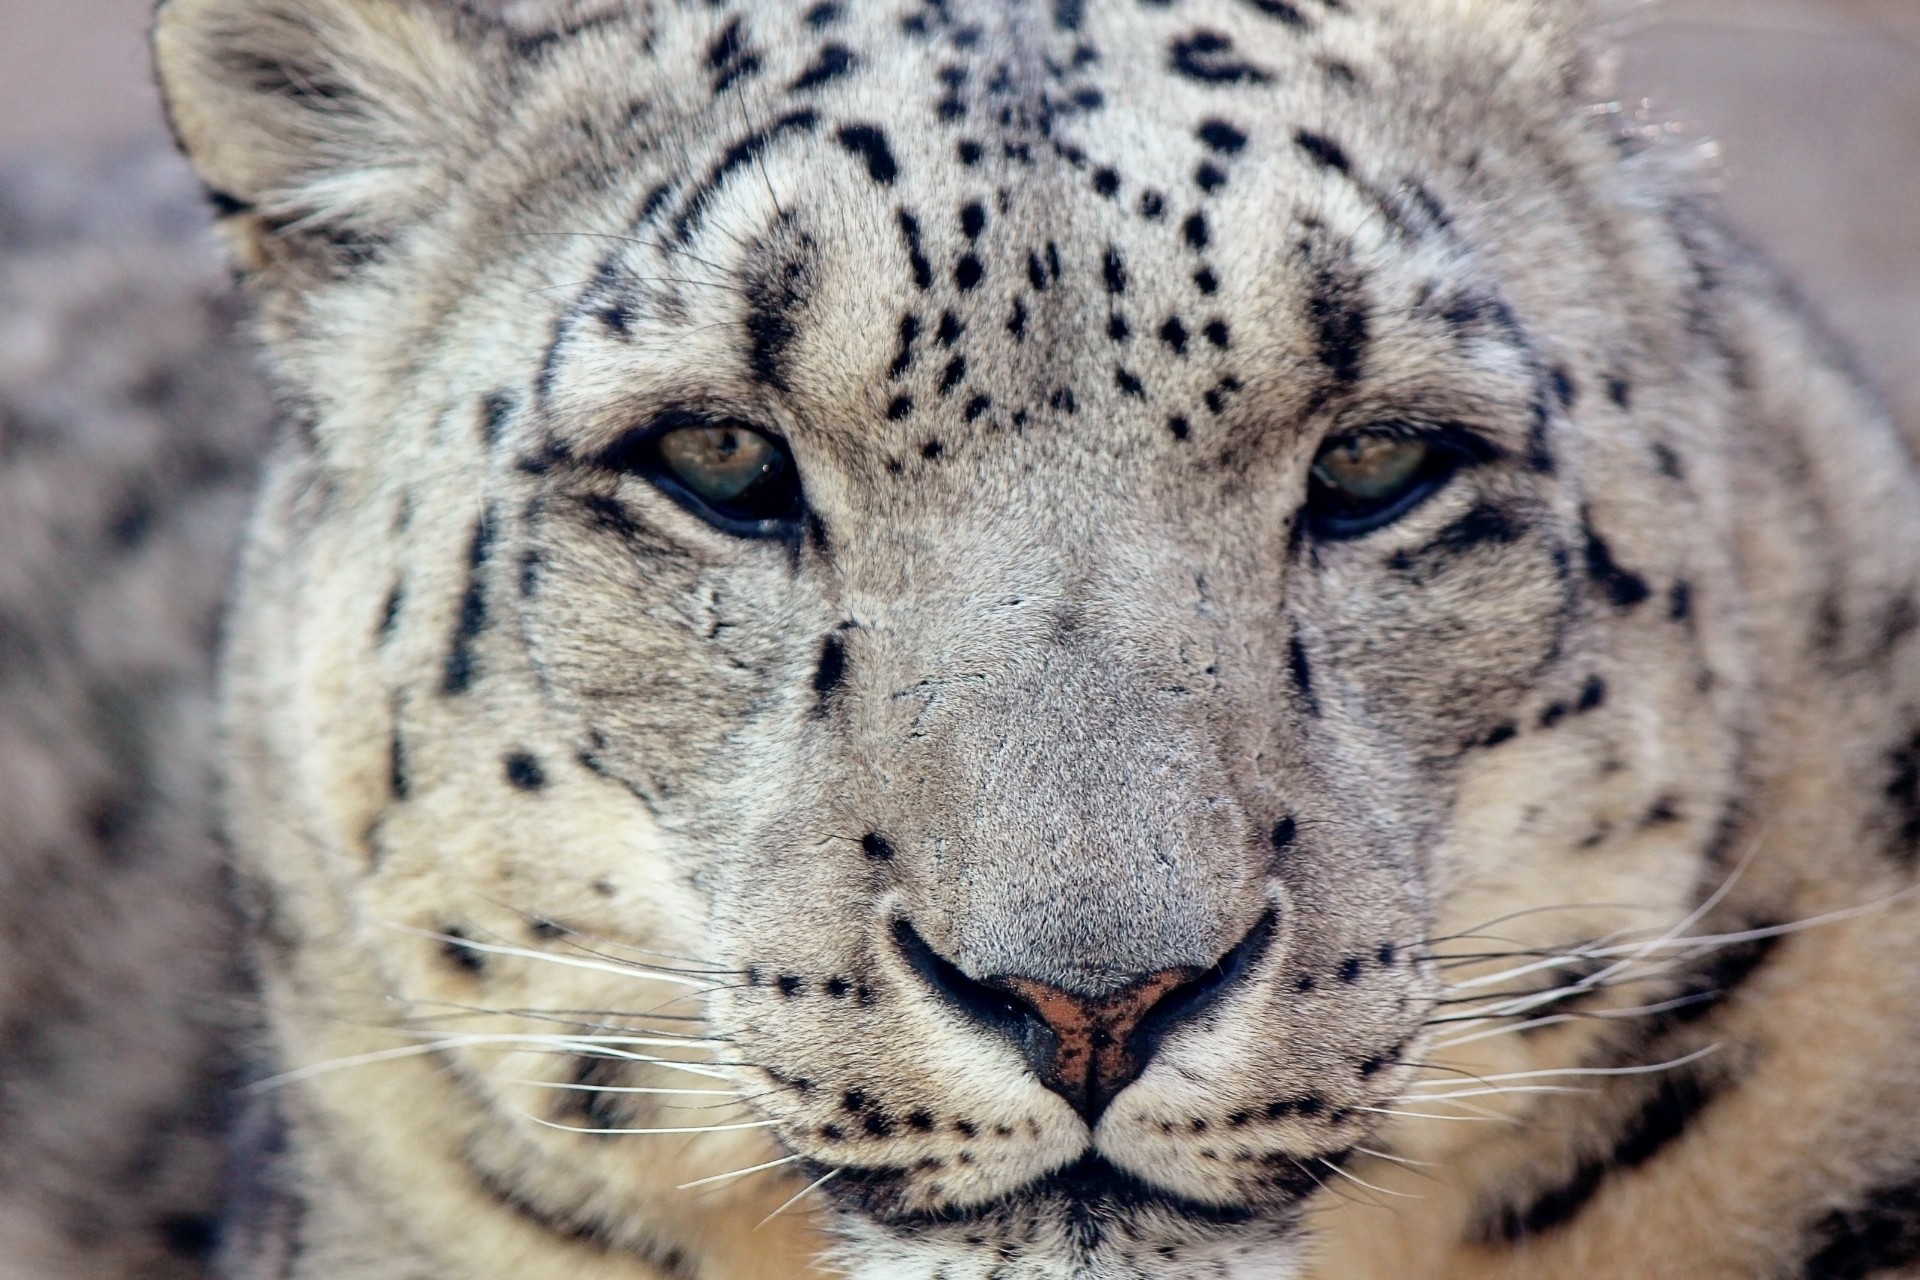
{"points": [[737, 477]]}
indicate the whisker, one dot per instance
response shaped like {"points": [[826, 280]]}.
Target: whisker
{"points": [[1401, 1195], [737, 1173], [659, 1132], [796, 1197]]}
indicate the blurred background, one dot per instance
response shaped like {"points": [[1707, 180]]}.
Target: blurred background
{"points": [[1816, 104]]}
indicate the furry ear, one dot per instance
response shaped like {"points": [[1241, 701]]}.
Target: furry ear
{"points": [[321, 127]]}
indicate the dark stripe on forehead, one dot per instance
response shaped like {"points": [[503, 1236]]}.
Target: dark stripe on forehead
{"points": [[1337, 309], [743, 152]]}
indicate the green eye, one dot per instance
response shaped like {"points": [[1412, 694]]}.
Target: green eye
{"points": [[720, 463], [1368, 479], [735, 477]]}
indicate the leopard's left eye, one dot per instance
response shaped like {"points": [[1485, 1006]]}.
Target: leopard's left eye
{"points": [[736, 477], [1366, 480]]}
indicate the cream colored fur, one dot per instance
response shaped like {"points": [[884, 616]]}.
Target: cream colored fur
{"points": [[521, 752]]}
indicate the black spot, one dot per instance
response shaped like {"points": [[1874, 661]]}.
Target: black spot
{"points": [[870, 144], [834, 61], [968, 273], [837, 988], [1217, 334], [1208, 176], [524, 772], [1195, 231], [1220, 136], [189, 1235], [1324, 151], [831, 671], [1128, 383], [1302, 672], [1114, 270], [973, 220], [791, 985], [950, 329], [903, 354], [495, 409], [950, 377], [1284, 833], [977, 406], [1106, 182], [1592, 694], [1117, 327], [226, 205], [456, 949], [1878, 1233], [877, 1124], [1179, 426], [969, 152], [916, 256], [1174, 334], [1623, 588], [1903, 795], [1668, 461], [1680, 601], [1620, 391], [390, 613], [1341, 325], [1017, 321], [1664, 811], [1153, 205], [1208, 56], [899, 407], [1553, 715], [399, 782], [1500, 735], [877, 847], [461, 664], [823, 14], [1205, 281], [1280, 11], [1564, 388], [1062, 400], [931, 450], [1216, 395]]}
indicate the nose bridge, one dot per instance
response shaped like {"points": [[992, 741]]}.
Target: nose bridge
{"points": [[1088, 830]]}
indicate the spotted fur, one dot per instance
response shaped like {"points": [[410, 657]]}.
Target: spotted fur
{"points": [[1520, 889]]}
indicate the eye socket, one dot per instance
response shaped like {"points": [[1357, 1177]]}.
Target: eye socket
{"points": [[1365, 480], [736, 477]]}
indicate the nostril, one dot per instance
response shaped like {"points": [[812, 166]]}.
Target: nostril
{"points": [[992, 1007], [1087, 1049], [1192, 998]]}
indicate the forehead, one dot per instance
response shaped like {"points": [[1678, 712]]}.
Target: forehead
{"points": [[901, 231]]}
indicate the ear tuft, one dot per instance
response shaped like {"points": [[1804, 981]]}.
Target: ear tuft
{"points": [[321, 127]]}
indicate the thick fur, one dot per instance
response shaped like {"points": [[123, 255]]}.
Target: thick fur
{"points": [[131, 422], [1574, 814]]}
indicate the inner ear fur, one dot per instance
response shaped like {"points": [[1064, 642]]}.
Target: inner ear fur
{"points": [[321, 127]]}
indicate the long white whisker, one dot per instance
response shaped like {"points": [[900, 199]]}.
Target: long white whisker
{"points": [[618, 1088], [528, 953], [657, 1132], [796, 1197], [1650, 1069], [1402, 1195], [737, 1173]]}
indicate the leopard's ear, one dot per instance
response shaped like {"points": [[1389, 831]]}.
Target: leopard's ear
{"points": [[322, 127]]}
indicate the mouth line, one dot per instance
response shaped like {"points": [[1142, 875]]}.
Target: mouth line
{"points": [[1091, 1185]]}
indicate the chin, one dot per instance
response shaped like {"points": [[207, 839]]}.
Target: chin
{"points": [[1089, 1221]]}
